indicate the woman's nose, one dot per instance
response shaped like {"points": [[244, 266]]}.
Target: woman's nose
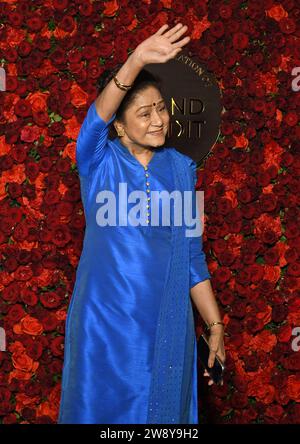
{"points": [[156, 119]]}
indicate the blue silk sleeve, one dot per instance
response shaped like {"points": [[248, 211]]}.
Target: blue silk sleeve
{"points": [[198, 266], [91, 143]]}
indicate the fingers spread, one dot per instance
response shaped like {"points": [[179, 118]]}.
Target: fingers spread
{"points": [[177, 34], [174, 31], [182, 42], [162, 29]]}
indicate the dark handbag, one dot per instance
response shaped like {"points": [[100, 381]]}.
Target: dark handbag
{"points": [[216, 371]]}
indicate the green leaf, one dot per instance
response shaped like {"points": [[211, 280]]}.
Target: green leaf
{"points": [[51, 25], [33, 153], [260, 260], [55, 117], [270, 326]]}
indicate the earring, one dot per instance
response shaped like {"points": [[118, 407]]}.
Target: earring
{"points": [[121, 132]]}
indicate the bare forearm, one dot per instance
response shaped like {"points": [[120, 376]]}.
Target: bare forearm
{"points": [[203, 297], [111, 96]]}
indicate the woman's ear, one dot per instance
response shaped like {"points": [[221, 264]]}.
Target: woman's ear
{"points": [[120, 131]]}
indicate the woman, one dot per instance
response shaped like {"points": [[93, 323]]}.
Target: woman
{"points": [[130, 347]]}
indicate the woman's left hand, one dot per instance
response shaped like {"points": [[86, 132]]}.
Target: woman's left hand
{"points": [[216, 345]]}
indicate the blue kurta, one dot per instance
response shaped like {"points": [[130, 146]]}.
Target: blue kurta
{"points": [[113, 313]]}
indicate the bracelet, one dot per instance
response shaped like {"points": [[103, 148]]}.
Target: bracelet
{"points": [[214, 323], [121, 85]]}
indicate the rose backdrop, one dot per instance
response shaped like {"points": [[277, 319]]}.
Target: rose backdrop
{"points": [[53, 52]]}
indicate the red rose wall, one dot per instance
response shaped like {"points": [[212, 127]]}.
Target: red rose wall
{"points": [[52, 53]]}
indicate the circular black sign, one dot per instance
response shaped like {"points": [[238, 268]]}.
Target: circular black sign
{"points": [[193, 99]]}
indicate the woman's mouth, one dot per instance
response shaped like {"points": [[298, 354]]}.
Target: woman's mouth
{"points": [[157, 133]]}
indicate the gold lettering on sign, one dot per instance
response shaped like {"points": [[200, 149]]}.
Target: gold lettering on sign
{"points": [[196, 68], [175, 105], [193, 102], [189, 128]]}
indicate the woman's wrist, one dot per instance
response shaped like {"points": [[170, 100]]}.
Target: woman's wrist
{"points": [[128, 72], [135, 59], [216, 323], [216, 327]]}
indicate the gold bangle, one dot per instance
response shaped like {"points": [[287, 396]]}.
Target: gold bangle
{"points": [[121, 85], [214, 323]]}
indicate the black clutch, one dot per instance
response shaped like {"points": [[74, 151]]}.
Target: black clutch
{"points": [[216, 371]]}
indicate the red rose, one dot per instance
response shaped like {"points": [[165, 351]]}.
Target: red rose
{"points": [[24, 49], [240, 41], [34, 23], [29, 414], [284, 333], [226, 297], [86, 9], [67, 24], [50, 322], [178, 7], [60, 235], [34, 349], [293, 269], [65, 209], [233, 327], [225, 11], [279, 313], [56, 129], [293, 416], [58, 56], [22, 108], [77, 222], [56, 366], [238, 309], [239, 400], [57, 346], [52, 197], [293, 387], [292, 362], [44, 420], [50, 299], [60, 5], [43, 42], [41, 118], [15, 314], [254, 325], [287, 25]]}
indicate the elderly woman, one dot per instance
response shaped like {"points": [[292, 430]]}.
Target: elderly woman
{"points": [[130, 345]]}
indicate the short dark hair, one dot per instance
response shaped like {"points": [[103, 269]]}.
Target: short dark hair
{"points": [[144, 79]]}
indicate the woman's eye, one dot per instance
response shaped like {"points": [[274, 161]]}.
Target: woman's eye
{"points": [[147, 114]]}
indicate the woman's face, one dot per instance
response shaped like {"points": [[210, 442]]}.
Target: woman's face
{"points": [[146, 120]]}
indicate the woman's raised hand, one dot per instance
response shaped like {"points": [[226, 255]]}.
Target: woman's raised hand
{"points": [[161, 46]]}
